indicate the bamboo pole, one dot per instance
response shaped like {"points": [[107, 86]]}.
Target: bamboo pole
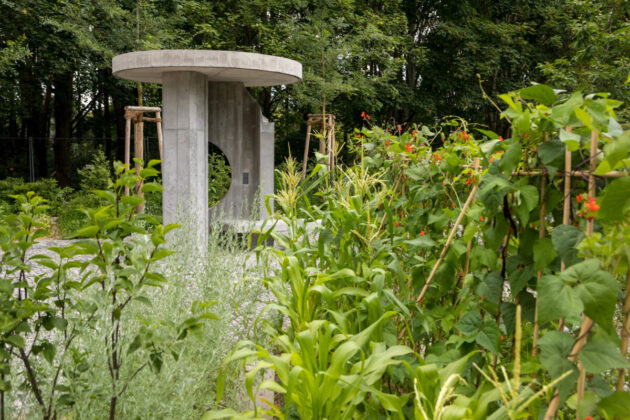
{"points": [[469, 201], [541, 234], [158, 117], [587, 323], [127, 144]]}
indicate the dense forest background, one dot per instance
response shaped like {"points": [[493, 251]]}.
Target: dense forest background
{"points": [[401, 61]]}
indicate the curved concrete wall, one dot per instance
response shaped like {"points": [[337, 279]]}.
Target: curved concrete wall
{"points": [[237, 127]]}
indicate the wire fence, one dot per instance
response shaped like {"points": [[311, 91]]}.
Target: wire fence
{"points": [[33, 158]]}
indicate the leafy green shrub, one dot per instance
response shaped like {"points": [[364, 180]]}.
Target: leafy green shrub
{"points": [[502, 308], [219, 178], [95, 175], [48, 189], [47, 319]]}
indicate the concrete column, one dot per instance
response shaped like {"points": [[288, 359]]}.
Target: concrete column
{"points": [[185, 166]]}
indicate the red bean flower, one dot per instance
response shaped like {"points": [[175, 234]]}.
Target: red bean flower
{"points": [[592, 205], [365, 116], [422, 233], [579, 198], [409, 148]]}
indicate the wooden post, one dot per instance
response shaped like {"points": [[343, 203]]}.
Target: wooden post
{"points": [[139, 154], [322, 139], [127, 144], [306, 146], [158, 116]]}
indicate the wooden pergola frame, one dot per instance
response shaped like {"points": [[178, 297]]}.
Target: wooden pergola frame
{"points": [[327, 140], [136, 114]]}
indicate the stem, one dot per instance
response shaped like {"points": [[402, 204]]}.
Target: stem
{"points": [[33, 382]]}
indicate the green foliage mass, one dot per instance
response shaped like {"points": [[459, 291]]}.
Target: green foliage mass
{"points": [[434, 277]]}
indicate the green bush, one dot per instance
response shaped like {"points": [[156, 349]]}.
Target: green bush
{"points": [[95, 175], [45, 188], [219, 178]]}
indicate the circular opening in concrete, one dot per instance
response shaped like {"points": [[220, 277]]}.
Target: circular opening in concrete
{"points": [[219, 175]]}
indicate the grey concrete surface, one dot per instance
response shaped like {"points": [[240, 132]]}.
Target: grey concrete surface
{"points": [[185, 166], [237, 127], [220, 66], [205, 100]]}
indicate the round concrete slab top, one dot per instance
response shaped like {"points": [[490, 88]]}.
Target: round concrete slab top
{"points": [[221, 66]]}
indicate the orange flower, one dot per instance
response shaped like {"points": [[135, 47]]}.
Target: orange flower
{"points": [[438, 158], [500, 138], [592, 206], [465, 135], [481, 218]]}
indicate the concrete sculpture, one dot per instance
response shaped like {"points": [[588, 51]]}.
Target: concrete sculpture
{"points": [[205, 100]]}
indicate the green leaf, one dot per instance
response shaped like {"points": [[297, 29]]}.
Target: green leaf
{"points": [[565, 239], [491, 287], [489, 337], [16, 340], [556, 300], [150, 187], [511, 158], [488, 133], [597, 289], [541, 93], [616, 198], [555, 347], [470, 323], [571, 140], [614, 152], [584, 117], [544, 253], [421, 242], [86, 232], [551, 152], [600, 354], [616, 405]]}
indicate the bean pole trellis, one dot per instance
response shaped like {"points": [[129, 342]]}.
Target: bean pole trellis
{"points": [[587, 323]]}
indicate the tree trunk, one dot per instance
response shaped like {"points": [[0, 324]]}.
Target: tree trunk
{"points": [[63, 128], [106, 114], [34, 120]]}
